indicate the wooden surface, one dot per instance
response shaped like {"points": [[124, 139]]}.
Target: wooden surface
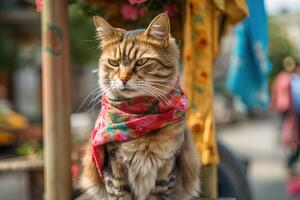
{"points": [[56, 99], [20, 164], [32, 172]]}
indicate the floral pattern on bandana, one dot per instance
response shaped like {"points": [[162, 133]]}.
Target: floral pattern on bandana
{"points": [[121, 121]]}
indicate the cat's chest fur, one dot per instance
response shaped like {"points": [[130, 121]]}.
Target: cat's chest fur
{"points": [[141, 160]]}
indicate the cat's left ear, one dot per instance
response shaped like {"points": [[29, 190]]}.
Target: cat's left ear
{"points": [[159, 29]]}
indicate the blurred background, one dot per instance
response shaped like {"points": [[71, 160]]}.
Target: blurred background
{"points": [[253, 136]]}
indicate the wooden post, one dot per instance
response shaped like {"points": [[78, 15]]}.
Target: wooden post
{"points": [[56, 99], [209, 178]]}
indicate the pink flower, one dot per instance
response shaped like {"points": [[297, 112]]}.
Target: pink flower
{"points": [[129, 12], [132, 2], [143, 11], [170, 9], [39, 5]]}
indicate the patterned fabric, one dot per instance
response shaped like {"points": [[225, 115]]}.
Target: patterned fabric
{"points": [[282, 102], [121, 121], [202, 34]]}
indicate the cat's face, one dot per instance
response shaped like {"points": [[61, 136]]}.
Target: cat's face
{"points": [[137, 63]]}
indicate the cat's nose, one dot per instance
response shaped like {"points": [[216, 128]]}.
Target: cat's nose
{"points": [[125, 74], [124, 80]]}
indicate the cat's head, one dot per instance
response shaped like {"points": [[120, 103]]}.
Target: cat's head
{"points": [[141, 62]]}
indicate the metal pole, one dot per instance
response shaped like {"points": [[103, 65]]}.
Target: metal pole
{"points": [[56, 99]]}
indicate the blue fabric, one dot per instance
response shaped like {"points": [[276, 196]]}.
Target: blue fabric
{"points": [[249, 66], [295, 90]]}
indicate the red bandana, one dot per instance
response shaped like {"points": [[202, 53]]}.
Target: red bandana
{"points": [[121, 121]]}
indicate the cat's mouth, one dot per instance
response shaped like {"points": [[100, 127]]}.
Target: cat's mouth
{"points": [[126, 89], [125, 93]]}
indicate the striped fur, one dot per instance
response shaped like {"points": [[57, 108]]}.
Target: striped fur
{"points": [[163, 165]]}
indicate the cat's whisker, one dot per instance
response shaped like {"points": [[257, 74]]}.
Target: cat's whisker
{"points": [[165, 100], [95, 98], [158, 89], [99, 94], [86, 98], [94, 102], [158, 93], [168, 85], [161, 93], [147, 85], [155, 94], [162, 84], [151, 93], [165, 88], [164, 95], [92, 108]]}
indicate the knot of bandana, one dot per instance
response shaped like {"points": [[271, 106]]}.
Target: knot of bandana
{"points": [[121, 121]]}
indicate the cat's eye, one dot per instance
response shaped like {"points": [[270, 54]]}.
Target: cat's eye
{"points": [[142, 61], [113, 62]]}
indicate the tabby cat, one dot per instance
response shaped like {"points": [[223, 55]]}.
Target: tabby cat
{"points": [[141, 148]]}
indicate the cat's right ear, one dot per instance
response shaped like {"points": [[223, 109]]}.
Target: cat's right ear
{"points": [[104, 29]]}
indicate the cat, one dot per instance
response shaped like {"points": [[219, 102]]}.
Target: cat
{"points": [[140, 68]]}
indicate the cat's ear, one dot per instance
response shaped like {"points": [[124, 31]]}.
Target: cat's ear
{"points": [[104, 29], [159, 29]]}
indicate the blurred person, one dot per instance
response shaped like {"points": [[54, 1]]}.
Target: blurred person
{"points": [[283, 102]]}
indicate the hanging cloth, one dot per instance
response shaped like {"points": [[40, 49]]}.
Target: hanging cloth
{"points": [[249, 66], [201, 44]]}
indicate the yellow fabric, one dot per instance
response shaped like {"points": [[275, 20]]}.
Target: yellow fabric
{"points": [[201, 44]]}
